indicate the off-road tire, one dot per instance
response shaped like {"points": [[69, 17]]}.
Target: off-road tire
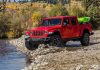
{"points": [[56, 41], [85, 40], [30, 46]]}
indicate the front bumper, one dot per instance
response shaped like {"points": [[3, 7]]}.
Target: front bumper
{"points": [[38, 40]]}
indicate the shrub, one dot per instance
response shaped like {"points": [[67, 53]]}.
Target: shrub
{"points": [[10, 34], [48, 7], [94, 13], [44, 5], [36, 17], [76, 9], [5, 22], [4, 36], [58, 10]]}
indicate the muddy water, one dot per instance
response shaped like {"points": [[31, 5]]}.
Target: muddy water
{"points": [[10, 59]]}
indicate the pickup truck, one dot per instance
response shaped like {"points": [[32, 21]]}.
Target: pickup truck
{"points": [[56, 31]]}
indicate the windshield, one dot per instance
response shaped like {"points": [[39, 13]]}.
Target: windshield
{"points": [[51, 22]]}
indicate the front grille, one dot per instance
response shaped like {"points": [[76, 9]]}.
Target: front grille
{"points": [[37, 33]]}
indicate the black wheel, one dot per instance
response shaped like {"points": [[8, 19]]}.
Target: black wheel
{"points": [[85, 40], [30, 45], [64, 43], [56, 41]]}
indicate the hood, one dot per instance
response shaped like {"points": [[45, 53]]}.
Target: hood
{"points": [[47, 27]]}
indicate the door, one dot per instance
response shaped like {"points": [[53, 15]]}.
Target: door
{"points": [[66, 30], [75, 27]]}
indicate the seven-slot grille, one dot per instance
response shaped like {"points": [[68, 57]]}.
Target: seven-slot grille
{"points": [[37, 33]]}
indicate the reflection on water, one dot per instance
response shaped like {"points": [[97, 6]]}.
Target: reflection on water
{"points": [[10, 59]]}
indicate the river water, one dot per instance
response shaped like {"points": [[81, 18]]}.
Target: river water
{"points": [[10, 59]]}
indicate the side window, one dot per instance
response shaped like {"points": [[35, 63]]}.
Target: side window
{"points": [[73, 21], [66, 21]]}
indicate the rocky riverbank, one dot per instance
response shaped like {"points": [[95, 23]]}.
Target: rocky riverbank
{"points": [[71, 57], [67, 58]]}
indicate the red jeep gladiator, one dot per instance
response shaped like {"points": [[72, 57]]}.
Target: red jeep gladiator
{"points": [[56, 31]]}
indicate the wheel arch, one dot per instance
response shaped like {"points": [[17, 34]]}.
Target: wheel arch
{"points": [[56, 33], [86, 31], [85, 40]]}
